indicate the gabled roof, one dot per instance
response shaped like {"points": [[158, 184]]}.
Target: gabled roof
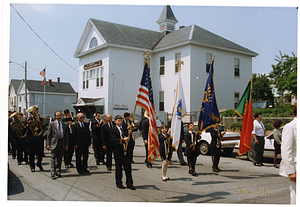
{"points": [[122, 35], [196, 34], [126, 35], [167, 14], [55, 87], [15, 84]]}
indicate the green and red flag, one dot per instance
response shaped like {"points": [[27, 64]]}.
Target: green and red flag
{"points": [[244, 109]]}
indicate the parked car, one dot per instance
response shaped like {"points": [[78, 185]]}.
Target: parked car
{"points": [[227, 145], [269, 146]]}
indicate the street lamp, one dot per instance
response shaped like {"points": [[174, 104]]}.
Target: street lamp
{"points": [[25, 81]]}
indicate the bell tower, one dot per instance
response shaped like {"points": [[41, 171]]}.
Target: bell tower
{"points": [[167, 20]]}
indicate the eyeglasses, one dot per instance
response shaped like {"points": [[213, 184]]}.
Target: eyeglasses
{"points": [[82, 117]]}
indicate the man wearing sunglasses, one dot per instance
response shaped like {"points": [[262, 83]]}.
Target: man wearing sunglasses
{"points": [[82, 141]]}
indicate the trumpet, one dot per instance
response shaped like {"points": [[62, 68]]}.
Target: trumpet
{"points": [[17, 125], [35, 126]]}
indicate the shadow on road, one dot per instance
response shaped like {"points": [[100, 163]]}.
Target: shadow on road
{"points": [[14, 185]]}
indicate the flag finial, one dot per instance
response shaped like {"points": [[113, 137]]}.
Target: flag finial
{"points": [[148, 53], [179, 62]]}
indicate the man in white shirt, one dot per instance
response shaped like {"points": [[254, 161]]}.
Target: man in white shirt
{"points": [[258, 140], [288, 163]]}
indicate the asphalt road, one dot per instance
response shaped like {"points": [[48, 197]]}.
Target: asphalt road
{"points": [[239, 182]]}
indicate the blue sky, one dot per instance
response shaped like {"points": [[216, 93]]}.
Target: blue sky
{"points": [[265, 29]]}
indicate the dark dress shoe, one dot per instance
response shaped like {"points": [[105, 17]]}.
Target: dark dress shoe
{"points": [[183, 163], [109, 168], [219, 169], [215, 170], [132, 161], [86, 171], [41, 168], [80, 172], [194, 173], [71, 165], [120, 186], [67, 166], [131, 187], [58, 175], [19, 163], [260, 164], [97, 163], [32, 170]]}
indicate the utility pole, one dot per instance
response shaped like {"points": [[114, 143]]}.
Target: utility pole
{"points": [[26, 102]]}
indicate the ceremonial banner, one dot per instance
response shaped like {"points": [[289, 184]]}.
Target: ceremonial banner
{"points": [[244, 109], [209, 113], [179, 111], [145, 100]]}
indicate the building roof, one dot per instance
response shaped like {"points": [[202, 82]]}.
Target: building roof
{"points": [[15, 83], [126, 35], [55, 87], [199, 35], [167, 14]]}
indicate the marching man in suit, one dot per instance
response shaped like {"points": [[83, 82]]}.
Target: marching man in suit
{"points": [[82, 141], [106, 142], [119, 137], [57, 141], [288, 163], [192, 149]]}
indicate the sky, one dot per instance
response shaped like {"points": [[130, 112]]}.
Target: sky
{"points": [[263, 28]]}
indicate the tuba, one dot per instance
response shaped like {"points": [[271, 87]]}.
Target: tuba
{"points": [[35, 126], [17, 125]]}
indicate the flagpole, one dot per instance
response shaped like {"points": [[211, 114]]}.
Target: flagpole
{"points": [[44, 96]]}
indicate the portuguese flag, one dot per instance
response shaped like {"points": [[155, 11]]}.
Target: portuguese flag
{"points": [[244, 109]]}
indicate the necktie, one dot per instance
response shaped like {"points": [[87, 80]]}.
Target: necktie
{"points": [[59, 130]]}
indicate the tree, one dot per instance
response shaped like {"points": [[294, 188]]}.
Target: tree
{"points": [[261, 88], [284, 74]]}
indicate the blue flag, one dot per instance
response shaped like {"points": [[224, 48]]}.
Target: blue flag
{"points": [[209, 113]]}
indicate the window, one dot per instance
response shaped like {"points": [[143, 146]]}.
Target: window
{"points": [[236, 67], [177, 57], [93, 42], [236, 99], [161, 101], [162, 66], [38, 98], [86, 80], [99, 81], [67, 99], [83, 80], [208, 62], [92, 73], [20, 99]]}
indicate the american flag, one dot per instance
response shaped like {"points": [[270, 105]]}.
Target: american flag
{"points": [[145, 100], [43, 72]]}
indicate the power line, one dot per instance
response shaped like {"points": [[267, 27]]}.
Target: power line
{"points": [[43, 40]]}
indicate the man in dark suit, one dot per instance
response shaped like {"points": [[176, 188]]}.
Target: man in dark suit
{"points": [[192, 149], [57, 141], [119, 137], [106, 142], [96, 125], [69, 153], [145, 135], [216, 137], [82, 141]]}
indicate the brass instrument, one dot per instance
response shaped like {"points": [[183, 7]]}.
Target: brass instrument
{"points": [[35, 126], [17, 125]]}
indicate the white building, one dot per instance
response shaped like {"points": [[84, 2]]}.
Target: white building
{"points": [[58, 96], [111, 64]]}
